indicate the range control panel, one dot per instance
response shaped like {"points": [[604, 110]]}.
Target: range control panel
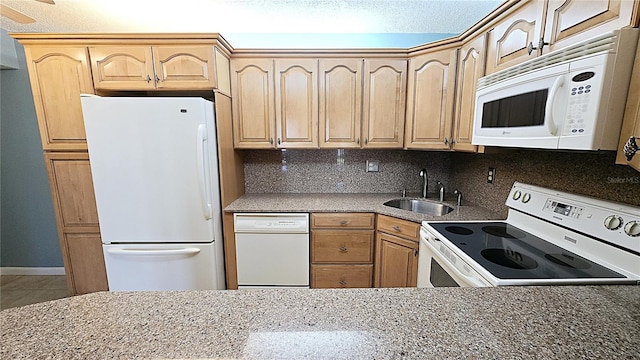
{"points": [[564, 209]]}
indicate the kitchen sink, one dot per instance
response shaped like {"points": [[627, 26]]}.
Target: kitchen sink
{"points": [[420, 206]]}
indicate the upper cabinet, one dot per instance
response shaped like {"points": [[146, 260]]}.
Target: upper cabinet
{"points": [[58, 76], [430, 97], [340, 99], [537, 27], [384, 95], [161, 67], [470, 69]]}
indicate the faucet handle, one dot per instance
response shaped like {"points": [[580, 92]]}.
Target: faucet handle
{"points": [[458, 194]]}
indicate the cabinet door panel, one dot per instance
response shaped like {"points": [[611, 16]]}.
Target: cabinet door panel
{"points": [[58, 77], [179, 67], [341, 276], [86, 263], [340, 103], [396, 262], [470, 69], [122, 68], [297, 103], [253, 99], [508, 40], [340, 246], [430, 104], [570, 21], [72, 189], [384, 103]]}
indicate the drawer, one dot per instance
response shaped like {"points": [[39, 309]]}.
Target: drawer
{"points": [[406, 229], [341, 276], [342, 220], [342, 246]]}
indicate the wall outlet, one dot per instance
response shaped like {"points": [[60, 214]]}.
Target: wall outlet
{"points": [[491, 175], [372, 165]]}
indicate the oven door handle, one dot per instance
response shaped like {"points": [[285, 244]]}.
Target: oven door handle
{"points": [[469, 280]]}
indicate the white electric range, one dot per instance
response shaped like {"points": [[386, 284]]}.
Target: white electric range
{"points": [[549, 238]]}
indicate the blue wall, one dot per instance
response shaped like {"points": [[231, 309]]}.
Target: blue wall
{"points": [[28, 233]]}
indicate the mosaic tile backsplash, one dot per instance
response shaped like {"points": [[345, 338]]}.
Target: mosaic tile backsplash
{"points": [[341, 171]]}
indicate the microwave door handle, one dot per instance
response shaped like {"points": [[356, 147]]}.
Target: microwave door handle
{"points": [[551, 124]]}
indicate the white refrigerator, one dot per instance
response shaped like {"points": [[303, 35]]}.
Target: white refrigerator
{"points": [[155, 175]]}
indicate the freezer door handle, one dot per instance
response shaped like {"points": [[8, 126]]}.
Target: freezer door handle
{"points": [[154, 252], [203, 172]]}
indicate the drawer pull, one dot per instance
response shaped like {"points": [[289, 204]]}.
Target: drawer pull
{"points": [[343, 249], [342, 282], [343, 222], [396, 228]]}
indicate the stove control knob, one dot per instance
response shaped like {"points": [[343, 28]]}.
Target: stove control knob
{"points": [[632, 228], [526, 197], [613, 222], [517, 194]]}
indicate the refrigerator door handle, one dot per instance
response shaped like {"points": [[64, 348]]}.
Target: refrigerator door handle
{"points": [[203, 173], [154, 252]]}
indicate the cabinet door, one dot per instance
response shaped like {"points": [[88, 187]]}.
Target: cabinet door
{"points": [[340, 92], [58, 76], [508, 40], [296, 103], [432, 80], [631, 121], [86, 263], [253, 101], [470, 69], [72, 190], [570, 21], [184, 67], [122, 67], [342, 246], [341, 276], [385, 86], [396, 261]]}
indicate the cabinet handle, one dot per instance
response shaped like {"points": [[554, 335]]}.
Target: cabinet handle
{"points": [[343, 249], [278, 141], [415, 252], [366, 141], [157, 78], [541, 45], [271, 141], [343, 222], [358, 141], [342, 282], [446, 141], [453, 142], [396, 228], [148, 79]]}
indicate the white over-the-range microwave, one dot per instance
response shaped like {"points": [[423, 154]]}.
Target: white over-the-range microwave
{"points": [[573, 98]]}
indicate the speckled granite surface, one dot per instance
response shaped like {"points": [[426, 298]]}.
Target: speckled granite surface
{"points": [[351, 203], [594, 322]]}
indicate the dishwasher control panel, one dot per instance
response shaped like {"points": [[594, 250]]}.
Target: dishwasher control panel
{"points": [[271, 222]]}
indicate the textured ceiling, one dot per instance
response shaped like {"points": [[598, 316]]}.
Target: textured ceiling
{"points": [[251, 16]]}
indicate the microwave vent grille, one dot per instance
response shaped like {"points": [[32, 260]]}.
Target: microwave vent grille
{"points": [[601, 44]]}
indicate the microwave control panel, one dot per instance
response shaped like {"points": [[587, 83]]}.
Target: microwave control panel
{"points": [[580, 89]]}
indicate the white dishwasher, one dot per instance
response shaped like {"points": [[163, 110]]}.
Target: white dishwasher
{"points": [[272, 250]]}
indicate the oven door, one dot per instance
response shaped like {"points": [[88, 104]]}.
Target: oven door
{"points": [[523, 111], [435, 270]]}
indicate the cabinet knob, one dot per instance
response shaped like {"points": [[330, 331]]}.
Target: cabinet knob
{"points": [[157, 78], [396, 228], [278, 141], [541, 45], [342, 282], [366, 141], [343, 222], [148, 79], [358, 141], [343, 249], [446, 141], [415, 252], [271, 141], [630, 148]]}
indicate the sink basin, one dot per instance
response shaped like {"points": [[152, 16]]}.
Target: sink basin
{"points": [[420, 206]]}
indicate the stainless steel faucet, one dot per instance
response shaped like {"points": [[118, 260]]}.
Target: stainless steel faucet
{"points": [[425, 182], [440, 191], [458, 196]]}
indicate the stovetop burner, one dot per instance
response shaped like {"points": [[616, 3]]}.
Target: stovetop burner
{"points": [[508, 252]]}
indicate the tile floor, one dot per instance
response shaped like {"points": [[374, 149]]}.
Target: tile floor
{"points": [[20, 290]]}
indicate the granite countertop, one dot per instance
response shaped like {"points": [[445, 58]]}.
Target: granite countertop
{"points": [[553, 322], [352, 203]]}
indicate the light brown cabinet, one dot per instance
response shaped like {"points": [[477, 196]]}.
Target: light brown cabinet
{"points": [[340, 99], [396, 252], [470, 69], [383, 103], [631, 121], [77, 220], [546, 26], [153, 67], [342, 250], [430, 96], [58, 76]]}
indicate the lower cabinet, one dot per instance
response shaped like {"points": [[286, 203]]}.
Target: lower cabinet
{"points": [[396, 252], [342, 250], [86, 263]]}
